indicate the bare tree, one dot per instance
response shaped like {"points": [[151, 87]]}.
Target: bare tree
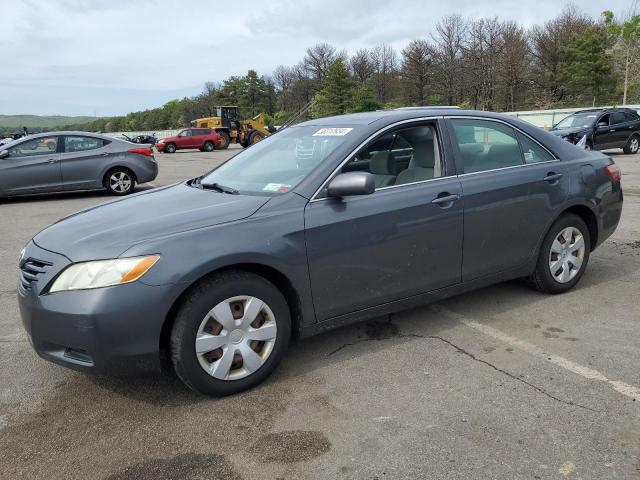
{"points": [[385, 63], [515, 66], [448, 40], [361, 66], [416, 71], [318, 58]]}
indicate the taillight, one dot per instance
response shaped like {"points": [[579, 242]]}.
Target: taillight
{"points": [[614, 172], [147, 152]]}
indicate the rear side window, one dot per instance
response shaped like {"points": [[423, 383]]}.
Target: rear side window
{"points": [[486, 145], [202, 131], [531, 151], [81, 144], [618, 117]]}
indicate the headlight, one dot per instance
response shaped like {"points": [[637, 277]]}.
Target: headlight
{"points": [[103, 273]]}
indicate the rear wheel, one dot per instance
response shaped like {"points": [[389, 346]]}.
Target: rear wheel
{"points": [[119, 181], [170, 148], [230, 333], [632, 145], [563, 256], [225, 140], [208, 147]]}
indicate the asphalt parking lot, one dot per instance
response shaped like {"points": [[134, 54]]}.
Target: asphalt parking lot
{"points": [[504, 382]]}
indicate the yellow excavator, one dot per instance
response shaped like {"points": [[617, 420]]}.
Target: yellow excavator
{"points": [[232, 129]]}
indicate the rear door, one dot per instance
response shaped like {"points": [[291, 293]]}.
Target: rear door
{"points": [[33, 166], [83, 157], [512, 187], [621, 126]]}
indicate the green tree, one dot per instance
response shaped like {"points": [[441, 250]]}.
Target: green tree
{"points": [[336, 95], [253, 94], [586, 66], [364, 99], [626, 38]]}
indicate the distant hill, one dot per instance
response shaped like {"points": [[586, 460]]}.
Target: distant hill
{"points": [[37, 122]]}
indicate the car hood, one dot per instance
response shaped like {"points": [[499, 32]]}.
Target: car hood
{"points": [[563, 132], [107, 230]]}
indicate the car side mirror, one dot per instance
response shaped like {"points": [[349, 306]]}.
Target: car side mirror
{"points": [[351, 183], [4, 154], [602, 124]]}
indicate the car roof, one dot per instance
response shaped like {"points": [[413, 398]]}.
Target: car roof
{"points": [[610, 109], [401, 114], [69, 132]]}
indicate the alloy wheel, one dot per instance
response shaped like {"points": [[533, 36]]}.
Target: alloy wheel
{"points": [[236, 337], [566, 255], [634, 144], [120, 182]]}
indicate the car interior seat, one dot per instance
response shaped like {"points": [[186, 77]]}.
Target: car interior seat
{"points": [[382, 166]]}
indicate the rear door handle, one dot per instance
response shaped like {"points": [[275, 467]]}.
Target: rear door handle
{"points": [[445, 198], [552, 177]]}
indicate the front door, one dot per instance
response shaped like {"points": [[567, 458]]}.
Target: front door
{"points": [[33, 166], [512, 186], [400, 241]]}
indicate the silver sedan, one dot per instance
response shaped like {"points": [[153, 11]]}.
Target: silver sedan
{"points": [[71, 161]]}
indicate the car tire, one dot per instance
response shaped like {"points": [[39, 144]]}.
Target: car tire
{"points": [[119, 181], [213, 311], [225, 140], [555, 271], [633, 145], [256, 137], [588, 145], [208, 147], [170, 148]]}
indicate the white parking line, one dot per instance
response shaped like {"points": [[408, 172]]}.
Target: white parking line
{"points": [[586, 372]]}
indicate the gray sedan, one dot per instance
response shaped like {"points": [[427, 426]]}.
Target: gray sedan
{"points": [[67, 161], [329, 222]]}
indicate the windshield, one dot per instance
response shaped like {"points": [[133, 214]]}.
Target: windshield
{"points": [[280, 162], [580, 120]]}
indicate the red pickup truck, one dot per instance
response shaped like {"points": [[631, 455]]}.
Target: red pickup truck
{"points": [[204, 139]]}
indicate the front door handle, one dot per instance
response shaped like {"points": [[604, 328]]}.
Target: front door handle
{"points": [[552, 177], [445, 198], [52, 160]]}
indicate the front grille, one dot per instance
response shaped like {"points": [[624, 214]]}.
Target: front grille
{"points": [[30, 270]]}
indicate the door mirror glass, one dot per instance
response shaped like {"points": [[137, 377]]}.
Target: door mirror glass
{"points": [[4, 154], [602, 124], [351, 183]]}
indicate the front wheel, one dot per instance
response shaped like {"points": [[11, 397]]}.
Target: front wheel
{"points": [[170, 148], [119, 181], [230, 333], [632, 145], [563, 256]]}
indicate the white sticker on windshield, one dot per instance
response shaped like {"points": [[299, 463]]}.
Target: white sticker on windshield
{"points": [[332, 132], [276, 187]]}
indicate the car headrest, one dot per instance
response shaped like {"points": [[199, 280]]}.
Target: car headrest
{"points": [[508, 154], [382, 163], [424, 155]]}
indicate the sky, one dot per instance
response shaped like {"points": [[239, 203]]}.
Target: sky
{"points": [[111, 57]]}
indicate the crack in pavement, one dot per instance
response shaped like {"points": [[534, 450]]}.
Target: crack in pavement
{"points": [[468, 354]]}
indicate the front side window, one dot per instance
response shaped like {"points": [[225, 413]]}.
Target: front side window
{"points": [[37, 146], [486, 145], [185, 133], [80, 144], [280, 162], [399, 157]]}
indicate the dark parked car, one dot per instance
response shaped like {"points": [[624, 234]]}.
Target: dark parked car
{"points": [[66, 161], [332, 221], [603, 129], [143, 139], [204, 139]]}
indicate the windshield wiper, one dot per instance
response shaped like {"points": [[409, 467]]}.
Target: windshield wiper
{"points": [[219, 188]]}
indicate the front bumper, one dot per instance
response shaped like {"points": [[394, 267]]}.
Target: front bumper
{"points": [[113, 330], [160, 146]]}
